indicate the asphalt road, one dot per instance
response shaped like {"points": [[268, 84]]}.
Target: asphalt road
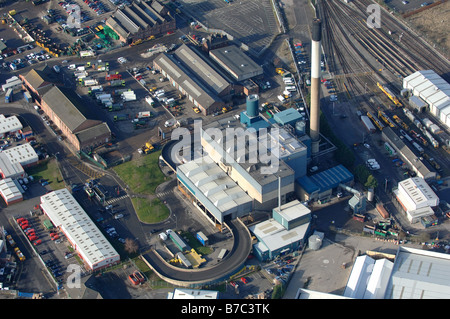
{"points": [[235, 259]]}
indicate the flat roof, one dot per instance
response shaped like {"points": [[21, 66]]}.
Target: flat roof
{"points": [[9, 124], [236, 62], [292, 210], [274, 236], [22, 154], [418, 190], [255, 170], [65, 212]]}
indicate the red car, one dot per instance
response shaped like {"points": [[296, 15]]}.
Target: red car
{"points": [[244, 280], [32, 238], [37, 242]]}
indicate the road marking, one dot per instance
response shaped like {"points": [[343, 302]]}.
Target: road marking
{"points": [[113, 200]]}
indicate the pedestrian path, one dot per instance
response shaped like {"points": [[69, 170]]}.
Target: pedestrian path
{"points": [[115, 199], [164, 194]]}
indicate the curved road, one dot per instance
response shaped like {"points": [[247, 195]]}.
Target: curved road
{"points": [[233, 262]]}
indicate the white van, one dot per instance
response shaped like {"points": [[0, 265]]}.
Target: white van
{"points": [[290, 88], [281, 98]]}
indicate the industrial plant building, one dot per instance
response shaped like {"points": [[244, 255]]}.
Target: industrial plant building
{"points": [[236, 63], [141, 21], [9, 125], [285, 232], [188, 72], [320, 186], [212, 190], [77, 122], [416, 198], [433, 90], [14, 160], [83, 235], [10, 192]]}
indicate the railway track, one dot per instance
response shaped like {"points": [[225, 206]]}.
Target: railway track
{"points": [[395, 34]]}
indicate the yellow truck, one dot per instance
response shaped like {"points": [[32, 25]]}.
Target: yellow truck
{"points": [[147, 148], [226, 109], [280, 71], [19, 254]]}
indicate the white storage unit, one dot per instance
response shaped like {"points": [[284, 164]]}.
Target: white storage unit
{"points": [[9, 191], [432, 89], [67, 214]]}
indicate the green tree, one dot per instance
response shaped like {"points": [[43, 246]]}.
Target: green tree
{"points": [[371, 182]]}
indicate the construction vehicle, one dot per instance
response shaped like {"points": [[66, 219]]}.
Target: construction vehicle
{"points": [[197, 110], [385, 118], [375, 121], [10, 240], [280, 71], [19, 254], [148, 148], [400, 122], [389, 94], [226, 109]]}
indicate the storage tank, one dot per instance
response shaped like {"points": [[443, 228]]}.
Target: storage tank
{"points": [[300, 128], [252, 105], [370, 194], [314, 242]]}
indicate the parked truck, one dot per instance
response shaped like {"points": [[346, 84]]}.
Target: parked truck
{"points": [[120, 117], [9, 96], [115, 107], [149, 100], [142, 115], [11, 241], [111, 77], [27, 97], [117, 83], [90, 82]]}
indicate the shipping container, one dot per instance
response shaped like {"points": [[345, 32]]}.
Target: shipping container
{"points": [[382, 211], [202, 238], [9, 96], [368, 124], [27, 96]]}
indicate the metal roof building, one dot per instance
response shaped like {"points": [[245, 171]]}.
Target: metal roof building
{"points": [[9, 190], [432, 89], [195, 78], [249, 164], [141, 20], [419, 274], [286, 231], [24, 155], [9, 124], [416, 198], [213, 189], [321, 185], [90, 243], [408, 154], [236, 62]]}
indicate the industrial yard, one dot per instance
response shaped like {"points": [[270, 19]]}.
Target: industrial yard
{"points": [[244, 149]]}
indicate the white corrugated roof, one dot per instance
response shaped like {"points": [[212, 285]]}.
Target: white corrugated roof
{"points": [[359, 277], [418, 191], [9, 190], [224, 193], [9, 124], [419, 274], [379, 279], [65, 212]]}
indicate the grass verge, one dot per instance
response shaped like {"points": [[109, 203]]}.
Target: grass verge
{"points": [[49, 171], [142, 175], [150, 210]]}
